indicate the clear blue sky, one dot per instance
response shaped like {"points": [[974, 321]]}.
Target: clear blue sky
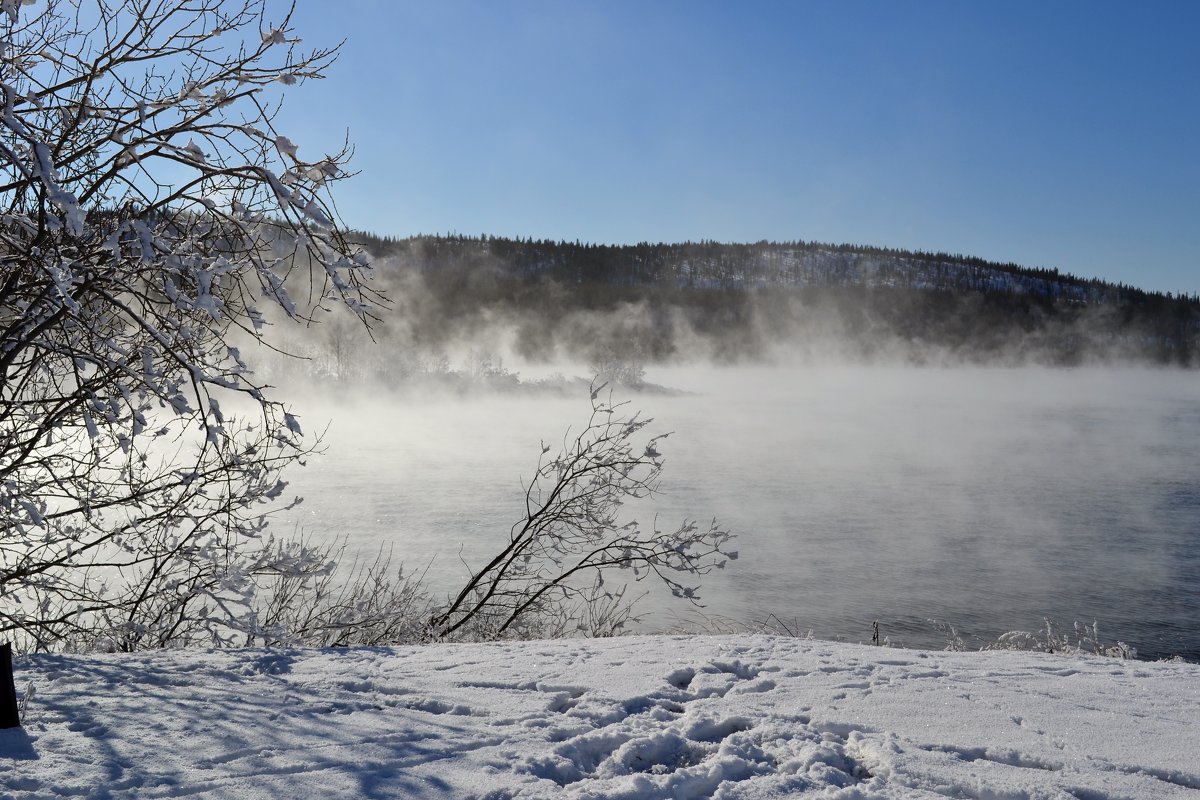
{"points": [[1050, 133]]}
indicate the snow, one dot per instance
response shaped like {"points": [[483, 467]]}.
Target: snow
{"points": [[631, 717]]}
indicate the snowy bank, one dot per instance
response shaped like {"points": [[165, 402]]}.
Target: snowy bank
{"points": [[636, 717]]}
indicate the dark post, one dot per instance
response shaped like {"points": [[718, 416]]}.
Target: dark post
{"points": [[9, 718]]}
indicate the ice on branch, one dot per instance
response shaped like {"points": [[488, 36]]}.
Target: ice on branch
{"points": [[129, 319]]}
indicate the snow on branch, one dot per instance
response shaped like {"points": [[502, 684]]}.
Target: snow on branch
{"points": [[148, 206]]}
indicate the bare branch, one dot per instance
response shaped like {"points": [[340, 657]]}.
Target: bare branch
{"points": [[572, 534]]}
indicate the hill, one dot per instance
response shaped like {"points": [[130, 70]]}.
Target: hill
{"points": [[754, 301]]}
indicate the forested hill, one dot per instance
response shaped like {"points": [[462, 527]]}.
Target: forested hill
{"points": [[741, 298], [706, 264]]}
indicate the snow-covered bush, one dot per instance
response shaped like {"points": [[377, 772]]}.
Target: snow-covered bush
{"points": [[1051, 640], [148, 206], [334, 603]]}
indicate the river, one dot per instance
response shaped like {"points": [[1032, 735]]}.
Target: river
{"points": [[988, 499]]}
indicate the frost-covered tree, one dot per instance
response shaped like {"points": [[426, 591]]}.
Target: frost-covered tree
{"points": [[150, 215]]}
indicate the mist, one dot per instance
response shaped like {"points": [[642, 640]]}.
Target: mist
{"points": [[923, 458], [982, 497], [467, 313]]}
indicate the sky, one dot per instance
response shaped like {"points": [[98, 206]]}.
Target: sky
{"points": [[1063, 134]]}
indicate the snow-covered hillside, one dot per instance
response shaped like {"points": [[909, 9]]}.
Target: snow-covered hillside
{"points": [[636, 717]]}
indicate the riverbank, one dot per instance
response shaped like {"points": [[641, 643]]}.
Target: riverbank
{"points": [[636, 717]]}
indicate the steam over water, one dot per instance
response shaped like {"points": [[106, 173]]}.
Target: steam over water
{"points": [[985, 498]]}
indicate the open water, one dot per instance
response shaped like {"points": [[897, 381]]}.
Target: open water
{"points": [[988, 499]]}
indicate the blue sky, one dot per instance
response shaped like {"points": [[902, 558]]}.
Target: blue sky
{"points": [[1058, 134]]}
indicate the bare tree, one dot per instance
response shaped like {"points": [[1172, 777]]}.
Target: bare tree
{"points": [[572, 536], [148, 206]]}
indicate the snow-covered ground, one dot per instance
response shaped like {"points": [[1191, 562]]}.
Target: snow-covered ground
{"points": [[636, 717]]}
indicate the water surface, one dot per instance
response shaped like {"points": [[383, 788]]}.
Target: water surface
{"points": [[985, 498]]}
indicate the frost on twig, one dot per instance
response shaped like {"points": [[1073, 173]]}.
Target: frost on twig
{"points": [[143, 223], [573, 544]]}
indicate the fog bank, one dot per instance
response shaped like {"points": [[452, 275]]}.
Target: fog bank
{"points": [[983, 497]]}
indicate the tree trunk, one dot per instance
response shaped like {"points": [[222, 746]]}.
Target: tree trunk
{"points": [[9, 718]]}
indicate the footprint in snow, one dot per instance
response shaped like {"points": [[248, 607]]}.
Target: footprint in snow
{"points": [[682, 678]]}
